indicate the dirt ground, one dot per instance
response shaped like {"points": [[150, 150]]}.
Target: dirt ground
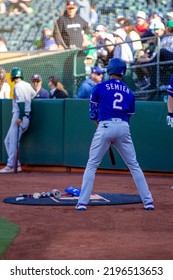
{"points": [[119, 232]]}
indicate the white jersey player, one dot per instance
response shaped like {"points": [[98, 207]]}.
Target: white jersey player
{"points": [[21, 113]]}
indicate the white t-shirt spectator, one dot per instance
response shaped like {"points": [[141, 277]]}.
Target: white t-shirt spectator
{"points": [[5, 91]]}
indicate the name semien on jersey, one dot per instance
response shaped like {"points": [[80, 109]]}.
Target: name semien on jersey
{"points": [[117, 86]]}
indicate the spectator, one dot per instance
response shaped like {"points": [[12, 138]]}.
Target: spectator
{"points": [[91, 54], [47, 41], [84, 9], [57, 89], [4, 86], [131, 30], [69, 30], [93, 17], [159, 15], [86, 87], [122, 50], [141, 22], [108, 52], [26, 6], [3, 8], [89, 45], [128, 40], [89, 62], [36, 81], [13, 7], [120, 21], [100, 34], [3, 47], [145, 75]]}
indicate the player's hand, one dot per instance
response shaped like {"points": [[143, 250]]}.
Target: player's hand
{"points": [[169, 119], [18, 121]]}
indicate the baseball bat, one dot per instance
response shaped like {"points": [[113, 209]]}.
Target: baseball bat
{"points": [[16, 152], [112, 156]]}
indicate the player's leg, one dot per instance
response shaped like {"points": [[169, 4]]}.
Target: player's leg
{"points": [[11, 142], [125, 147], [98, 148]]}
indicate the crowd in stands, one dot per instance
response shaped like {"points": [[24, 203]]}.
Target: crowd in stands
{"points": [[135, 40], [16, 7]]}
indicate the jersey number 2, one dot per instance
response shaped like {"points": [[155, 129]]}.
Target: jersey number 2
{"points": [[118, 99]]}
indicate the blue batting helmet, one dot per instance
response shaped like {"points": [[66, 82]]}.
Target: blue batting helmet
{"points": [[116, 66]]}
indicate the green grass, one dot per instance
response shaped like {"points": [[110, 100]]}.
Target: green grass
{"points": [[8, 232]]}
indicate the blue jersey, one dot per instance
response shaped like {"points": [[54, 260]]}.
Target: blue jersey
{"points": [[170, 87], [85, 89], [111, 99], [42, 93]]}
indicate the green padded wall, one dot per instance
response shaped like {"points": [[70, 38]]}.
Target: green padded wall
{"points": [[151, 135], [43, 142], [153, 138], [6, 114], [0, 130], [60, 133]]}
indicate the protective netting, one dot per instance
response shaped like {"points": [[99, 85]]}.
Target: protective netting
{"points": [[23, 35]]}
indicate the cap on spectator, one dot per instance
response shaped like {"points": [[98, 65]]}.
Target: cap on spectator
{"points": [[160, 14], [71, 4], [170, 15], [36, 77], [128, 22], [120, 17], [110, 38], [97, 70], [170, 23], [47, 26], [89, 59], [159, 25], [141, 14], [101, 28], [120, 33]]}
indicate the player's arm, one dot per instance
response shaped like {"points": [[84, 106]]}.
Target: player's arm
{"points": [[169, 118], [21, 106], [93, 111], [94, 105], [170, 104]]}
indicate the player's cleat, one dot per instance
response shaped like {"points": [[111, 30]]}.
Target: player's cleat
{"points": [[19, 169], [149, 206], [6, 169], [81, 207]]}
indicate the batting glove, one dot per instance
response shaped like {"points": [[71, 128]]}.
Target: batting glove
{"points": [[169, 119]]}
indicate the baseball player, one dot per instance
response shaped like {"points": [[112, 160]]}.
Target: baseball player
{"points": [[21, 110], [111, 105], [170, 103]]}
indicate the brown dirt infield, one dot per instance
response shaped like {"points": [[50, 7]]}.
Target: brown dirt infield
{"points": [[119, 232]]}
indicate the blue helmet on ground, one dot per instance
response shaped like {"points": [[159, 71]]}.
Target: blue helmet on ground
{"points": [[116, 66]]}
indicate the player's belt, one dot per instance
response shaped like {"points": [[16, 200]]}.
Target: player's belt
{"points": [[114, 120]]}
